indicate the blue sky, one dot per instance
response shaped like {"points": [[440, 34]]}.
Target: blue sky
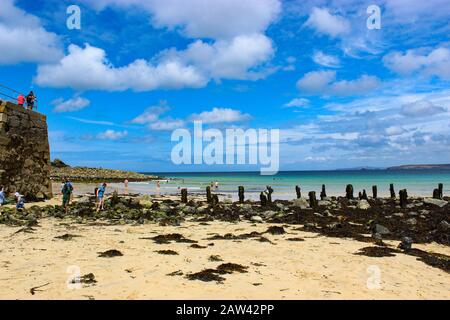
{"points": [[341, 94]]}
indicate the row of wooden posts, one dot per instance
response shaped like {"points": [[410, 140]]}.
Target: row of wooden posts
{"points": [[266, 196]]}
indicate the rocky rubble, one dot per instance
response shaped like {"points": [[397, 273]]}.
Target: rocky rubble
{"points": [[84, 174]]}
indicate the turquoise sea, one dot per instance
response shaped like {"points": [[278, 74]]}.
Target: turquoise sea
{"points": [[420, 182]]}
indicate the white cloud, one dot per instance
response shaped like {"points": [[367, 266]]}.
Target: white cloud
{"points": [[23, 38], [112, 135], [326, 60], [218, 19], [193, 67], [421, 108], [220, 115], [435, 63], [167, 124], [324, 22], [228, 59], [140, 75], [151, 114], [70, 105], [323, 82], [297, 102]]}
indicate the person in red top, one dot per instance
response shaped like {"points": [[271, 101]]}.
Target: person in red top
{"points": [[20, 100]]}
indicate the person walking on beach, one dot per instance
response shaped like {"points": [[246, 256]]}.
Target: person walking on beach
{"points": [[31, 98], [66, 192], [2, 196], [20, 100], [126, 186], [100, 194]]}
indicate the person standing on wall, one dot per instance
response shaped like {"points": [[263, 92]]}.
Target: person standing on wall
{"points": [[20, 100], [31, 98]]}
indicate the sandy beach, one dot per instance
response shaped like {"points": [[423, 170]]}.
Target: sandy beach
{"points": [[317, 268]]}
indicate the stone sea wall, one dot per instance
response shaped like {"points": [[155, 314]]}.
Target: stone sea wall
{"points": [[24, 152]]}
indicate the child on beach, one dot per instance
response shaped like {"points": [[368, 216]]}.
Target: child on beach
{"points": [[2, 196], [20, 201], [66, 191], [101, 196]]}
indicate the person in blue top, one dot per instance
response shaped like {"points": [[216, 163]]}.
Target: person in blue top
{"points": [[2, 196], [20, 201], [101, 196], [66, 191]]}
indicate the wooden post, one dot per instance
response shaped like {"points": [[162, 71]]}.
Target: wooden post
{"points": [[312, 199], [403, 198], [298, 192], [241, 194], [360, 196], [441, 190], [436, 194], [349, 191], [269, 194], [374, 192], [184, 195], [364, 195], [263, 199], [323, 193], [391, 188], [208, 194]]}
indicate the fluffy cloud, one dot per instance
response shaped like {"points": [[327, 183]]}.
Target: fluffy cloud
{"points": [[297, 102], [421, 108], [218, 19], [23, 38], [435, 63], [140, 75], [220, 115], [172, 69], [323, 82], [112, 135], [324, 22], [326, 60], [151, 114], [70, 105]]}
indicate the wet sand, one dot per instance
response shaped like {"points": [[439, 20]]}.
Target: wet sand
{"points": [[317, 268]]}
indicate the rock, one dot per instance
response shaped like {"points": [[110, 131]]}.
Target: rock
{"points": [[257, 219], [324, 203], [444, 225], [406, 243], [413, 214], [327, 213], [399, 214], [301, 203], [269, 214], [318, 214], [424, 212], [280, 206], [363, 205], [382, 230], [436, 202], [412, 221]]}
